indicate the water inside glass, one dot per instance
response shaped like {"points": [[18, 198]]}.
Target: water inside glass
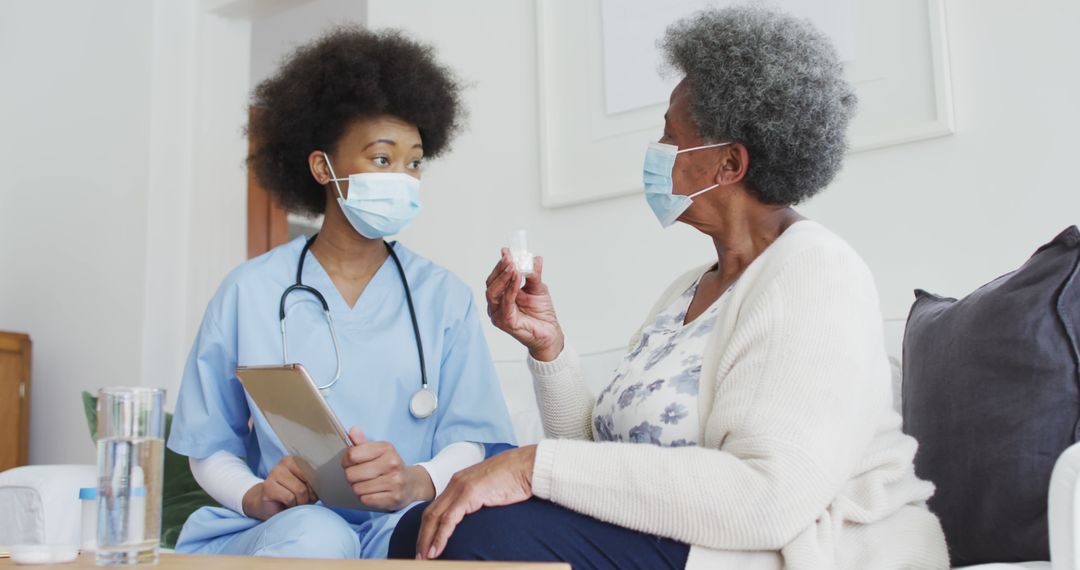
{"points": [[131, 454]]}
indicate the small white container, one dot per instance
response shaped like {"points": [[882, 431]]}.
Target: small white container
{"points": [[43, 553], [88, 498], [519, 252]]}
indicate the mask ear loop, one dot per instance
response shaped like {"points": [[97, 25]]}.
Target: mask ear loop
{"points": [[333, 177], [682, 150], [700, 192]]}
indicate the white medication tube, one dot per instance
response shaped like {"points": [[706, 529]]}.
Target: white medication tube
{"points": [[88, 498], [519, 252]]}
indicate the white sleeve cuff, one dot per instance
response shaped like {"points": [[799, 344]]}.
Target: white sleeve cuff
{"points": [[543, 466], [225, 477], [450, 460], [566, 360]]}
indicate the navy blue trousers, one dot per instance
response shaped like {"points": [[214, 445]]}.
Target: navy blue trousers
{"points": [[539, 531]]}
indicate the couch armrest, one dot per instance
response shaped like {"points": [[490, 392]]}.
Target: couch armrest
{"points": [[1064, 510], [40, 503]]}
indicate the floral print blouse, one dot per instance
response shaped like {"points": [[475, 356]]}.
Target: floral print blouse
{"points": [[653, 397]]}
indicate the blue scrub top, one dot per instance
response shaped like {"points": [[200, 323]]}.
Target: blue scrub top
{"points": [[380, 370]]}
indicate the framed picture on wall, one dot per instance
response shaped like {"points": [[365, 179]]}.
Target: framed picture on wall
{"points": [[603, 94]]}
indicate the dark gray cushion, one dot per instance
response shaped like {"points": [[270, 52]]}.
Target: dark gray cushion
{"points": [[992, 393]]}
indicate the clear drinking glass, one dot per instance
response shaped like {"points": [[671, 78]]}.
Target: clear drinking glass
{"points": [[131, 455]]}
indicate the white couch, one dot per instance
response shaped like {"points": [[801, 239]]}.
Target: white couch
{"points": [[44, 498]]}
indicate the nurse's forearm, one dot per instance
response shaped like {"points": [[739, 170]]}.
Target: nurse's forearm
{"points": [[420, 484], [225, 477], [450, 460]]}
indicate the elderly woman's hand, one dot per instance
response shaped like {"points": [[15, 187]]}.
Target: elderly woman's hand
{"points": [[502, 480], [525, 313]]}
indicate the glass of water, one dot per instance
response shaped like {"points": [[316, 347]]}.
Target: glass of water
{"points": [[131, 455]]}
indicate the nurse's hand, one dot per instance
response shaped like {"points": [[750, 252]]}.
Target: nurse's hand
{"points": [[379, 477], [525, 313], [284, 487], [505, 479]]}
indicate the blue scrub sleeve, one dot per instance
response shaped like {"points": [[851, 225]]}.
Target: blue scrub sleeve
{"points": [[211, 410], [471, 403]]}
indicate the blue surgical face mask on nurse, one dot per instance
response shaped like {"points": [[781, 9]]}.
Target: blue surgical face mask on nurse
{"points": [[379, 204], [659, 187]]}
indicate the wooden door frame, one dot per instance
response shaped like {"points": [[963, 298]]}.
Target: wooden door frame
{"points": [[267, 222]]}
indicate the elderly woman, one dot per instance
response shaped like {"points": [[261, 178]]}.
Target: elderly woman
{"points": [[749, 424]]}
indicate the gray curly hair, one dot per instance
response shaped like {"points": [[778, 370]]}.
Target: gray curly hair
{"points": [[773, 83]]}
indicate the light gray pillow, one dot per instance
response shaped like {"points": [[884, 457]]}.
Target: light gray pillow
{"points": [[991, 391]]}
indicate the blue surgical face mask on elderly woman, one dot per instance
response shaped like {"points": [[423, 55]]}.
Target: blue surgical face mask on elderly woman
{"points": [[659, 162], [379, 204]]}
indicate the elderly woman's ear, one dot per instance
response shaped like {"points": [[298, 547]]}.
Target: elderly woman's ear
{"points": [[733, 164]]}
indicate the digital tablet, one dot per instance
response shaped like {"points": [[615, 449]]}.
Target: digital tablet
{"points": [[306, 426]]}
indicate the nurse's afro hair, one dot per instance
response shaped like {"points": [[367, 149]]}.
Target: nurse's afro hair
{"points": [[326, 84], [773, 83]]}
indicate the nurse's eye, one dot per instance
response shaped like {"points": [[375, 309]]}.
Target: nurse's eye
{"points": [[381, 160], [416, 164]]}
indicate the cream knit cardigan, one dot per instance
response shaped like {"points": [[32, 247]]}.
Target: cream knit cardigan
{"points": [[801, 453]]}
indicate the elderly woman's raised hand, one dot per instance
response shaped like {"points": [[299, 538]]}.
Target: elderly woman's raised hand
{"points": [[525, 313]]}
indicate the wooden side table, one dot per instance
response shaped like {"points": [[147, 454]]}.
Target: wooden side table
{"points": [[14, 399]]}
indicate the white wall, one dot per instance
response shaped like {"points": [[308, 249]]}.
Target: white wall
{"points": [[74, 112], [945, 214], [274, 35], [122, 183], [950, 214], [122, 192]]}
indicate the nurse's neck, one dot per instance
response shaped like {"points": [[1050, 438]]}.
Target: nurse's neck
{"points": [[349, 258]]}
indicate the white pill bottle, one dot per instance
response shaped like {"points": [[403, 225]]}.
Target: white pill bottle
{"points": [[519, 253], [88, 499]]}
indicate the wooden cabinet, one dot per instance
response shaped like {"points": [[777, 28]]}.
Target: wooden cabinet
{"points": [[14, 399]]}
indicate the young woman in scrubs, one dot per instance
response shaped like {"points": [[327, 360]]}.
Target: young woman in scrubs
{"points": [[342, 130]]}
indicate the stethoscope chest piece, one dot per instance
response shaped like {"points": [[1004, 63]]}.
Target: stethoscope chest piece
{"points": [[423, 403]]}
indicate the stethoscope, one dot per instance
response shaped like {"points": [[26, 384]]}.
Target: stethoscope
{"points": [[424, 402]]}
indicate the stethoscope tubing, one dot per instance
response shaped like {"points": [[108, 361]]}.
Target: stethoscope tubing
{"points": [[299, 286]]}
